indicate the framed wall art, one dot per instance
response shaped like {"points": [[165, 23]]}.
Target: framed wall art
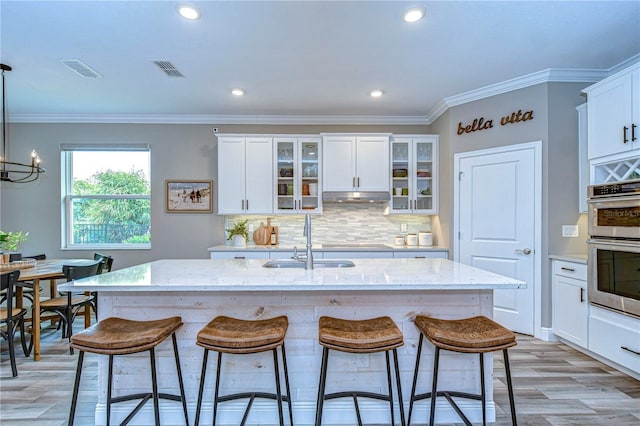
{"points": [[189, 196]]}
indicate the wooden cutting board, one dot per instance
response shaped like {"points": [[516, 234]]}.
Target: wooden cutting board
{"points": [[261, 235]]}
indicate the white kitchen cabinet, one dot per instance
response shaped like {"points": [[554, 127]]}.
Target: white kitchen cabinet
{"points": [[297, 179], [240, 254], [583, 160], [414, 174], [355, 162], [570, 304], [245, 175], [615, 337], [613, 114], [417, 254], [358, 254]]}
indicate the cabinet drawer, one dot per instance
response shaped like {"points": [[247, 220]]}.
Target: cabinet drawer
{"points": [[615, 337], [400, 254], [570, 269], [246, 254]]}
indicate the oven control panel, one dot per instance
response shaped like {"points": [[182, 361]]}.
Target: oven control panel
{"points": [[613, 189]]}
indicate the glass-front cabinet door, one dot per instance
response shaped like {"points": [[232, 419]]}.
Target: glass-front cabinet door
{"points": [[414, 174], [297, 175]]}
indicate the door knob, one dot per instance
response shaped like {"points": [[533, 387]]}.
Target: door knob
{"points": [[523, 251]]}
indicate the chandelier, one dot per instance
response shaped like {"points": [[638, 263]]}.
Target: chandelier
{"points": [[11, 171]]}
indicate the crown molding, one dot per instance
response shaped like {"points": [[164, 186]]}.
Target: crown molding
{"points": [[548, 75], [216, 119]]}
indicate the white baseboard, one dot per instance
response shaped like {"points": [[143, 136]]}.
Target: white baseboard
{"points": [[546, 334]]}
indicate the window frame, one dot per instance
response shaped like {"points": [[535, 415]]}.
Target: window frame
{"points": [[67, 199]]}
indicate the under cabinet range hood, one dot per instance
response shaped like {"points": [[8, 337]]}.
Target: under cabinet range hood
{"points": [[354, 196]]}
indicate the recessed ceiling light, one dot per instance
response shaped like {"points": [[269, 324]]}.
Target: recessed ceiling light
{"points": [[376, 93], [414, 15], [237, 92], [189, 12]]}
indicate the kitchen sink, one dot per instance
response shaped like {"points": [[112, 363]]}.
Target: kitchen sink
{"points": [[320, 263]]}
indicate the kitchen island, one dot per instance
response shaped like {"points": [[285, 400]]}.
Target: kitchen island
{"points": [[199, 290]]}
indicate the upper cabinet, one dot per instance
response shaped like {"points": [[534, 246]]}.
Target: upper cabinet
{"points": [[414, 174], [355, 162], [297, 180], [245, 174], [613, 114]]}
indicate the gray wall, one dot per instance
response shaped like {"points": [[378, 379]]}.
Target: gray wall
{"points": [[555, 124]]}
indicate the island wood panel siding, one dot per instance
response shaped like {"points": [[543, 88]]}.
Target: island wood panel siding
{"points": [[255, 371]]}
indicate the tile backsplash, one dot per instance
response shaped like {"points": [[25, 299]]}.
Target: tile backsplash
{"points": [[340, 223]]}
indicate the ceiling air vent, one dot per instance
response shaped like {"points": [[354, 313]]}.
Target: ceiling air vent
{"points": [[168, 68], [80, 68]]}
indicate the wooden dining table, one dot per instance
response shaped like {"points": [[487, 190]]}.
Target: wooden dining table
{"points": [[50, 269]]}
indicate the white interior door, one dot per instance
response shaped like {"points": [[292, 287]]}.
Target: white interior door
{"points": [[496, 217]]}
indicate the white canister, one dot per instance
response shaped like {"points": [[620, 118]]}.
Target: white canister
{"points": [[399, 241], [313, 189], [412, 240], [425, 239]]}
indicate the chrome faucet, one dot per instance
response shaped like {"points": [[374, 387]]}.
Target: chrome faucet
{"points": [[308, 261]]}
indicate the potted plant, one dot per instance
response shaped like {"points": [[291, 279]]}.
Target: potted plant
{"points": [[238, 233], [9, 243]]}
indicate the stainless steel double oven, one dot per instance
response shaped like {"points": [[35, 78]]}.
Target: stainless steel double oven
{"points": [[614, 246]]}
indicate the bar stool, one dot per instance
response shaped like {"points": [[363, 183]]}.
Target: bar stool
{"points": [[471, 335], [363, 337], [117, 336], [235, 336]]}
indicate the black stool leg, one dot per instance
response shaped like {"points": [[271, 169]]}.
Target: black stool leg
{"points": [[276, 369], [434, 386], [109, 384], [154, 386], [415, 379], [203, 374], [182, 395], [512, 402], [483, 398], [321, 386], [215, 395], [76, 386], [286, 383], [386, 355], [400, 400]]}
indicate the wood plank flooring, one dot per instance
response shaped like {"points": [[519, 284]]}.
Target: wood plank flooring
{"points": [[553, 384]]}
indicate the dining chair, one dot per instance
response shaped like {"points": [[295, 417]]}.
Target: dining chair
{"points": [[68, 306], [12, 317], [26, 291], [107, 264]]}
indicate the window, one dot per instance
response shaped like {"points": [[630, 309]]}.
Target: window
{"points": [[106, 197]]}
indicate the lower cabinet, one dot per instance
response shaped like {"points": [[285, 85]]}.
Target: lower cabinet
{"points": [[240, 254], [358, 255], [616, 337], [439, 254], [570, 304]]}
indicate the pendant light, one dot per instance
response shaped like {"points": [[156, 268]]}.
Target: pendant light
{"points": [[11, 171]]}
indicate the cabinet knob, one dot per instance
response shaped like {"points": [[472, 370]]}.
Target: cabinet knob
{"points": [[564, 268]]}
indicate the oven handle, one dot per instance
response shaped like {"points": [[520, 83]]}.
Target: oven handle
{"points": [[632, 244]]}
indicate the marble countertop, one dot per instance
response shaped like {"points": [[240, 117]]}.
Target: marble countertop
{"points": [[576, 258], [249, 275], [320, 247]]}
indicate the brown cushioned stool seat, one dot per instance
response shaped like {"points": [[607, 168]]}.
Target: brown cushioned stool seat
{"points": [[236, 336], [359, 336], [469, 335], [118, 336]]}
